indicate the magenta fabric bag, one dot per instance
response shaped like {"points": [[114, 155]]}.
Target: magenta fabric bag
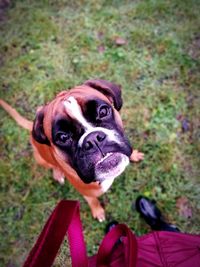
{"points": [[119, 248], [169, 249]]}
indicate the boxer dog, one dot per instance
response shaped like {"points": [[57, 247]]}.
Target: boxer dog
{"points": [[80, 135]]}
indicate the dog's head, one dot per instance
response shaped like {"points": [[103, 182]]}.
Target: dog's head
{"points": [[84, 129]]}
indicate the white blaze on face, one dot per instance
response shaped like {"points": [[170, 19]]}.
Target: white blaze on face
{"points": [[74, 111]]}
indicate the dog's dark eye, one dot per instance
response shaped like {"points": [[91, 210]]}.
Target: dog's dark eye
{"points": [[104, 111], [63, 137]]}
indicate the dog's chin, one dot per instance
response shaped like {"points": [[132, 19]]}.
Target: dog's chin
{"points": [[109, 167]]}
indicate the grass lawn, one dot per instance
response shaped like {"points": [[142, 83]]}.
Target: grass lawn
{"points": [[151, 48]]}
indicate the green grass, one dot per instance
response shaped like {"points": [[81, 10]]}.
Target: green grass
{"points": [[47, 46]]}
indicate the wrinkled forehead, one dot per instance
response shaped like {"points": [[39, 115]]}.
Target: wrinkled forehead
{"points": [[71, 101], [80, 94], [70, 104]]}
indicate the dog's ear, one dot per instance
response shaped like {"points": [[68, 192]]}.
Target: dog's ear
{"points": [[38, 130], [111, 90]]}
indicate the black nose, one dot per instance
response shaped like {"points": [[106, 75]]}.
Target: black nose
{"points": [[93, 141]]}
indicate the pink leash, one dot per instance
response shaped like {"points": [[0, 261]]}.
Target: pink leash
{"points": [[65, 218]]}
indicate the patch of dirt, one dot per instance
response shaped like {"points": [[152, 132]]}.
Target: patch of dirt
{"points": [[194, 48], [4, 5], [184, 207]]}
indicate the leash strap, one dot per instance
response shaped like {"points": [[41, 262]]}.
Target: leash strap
{"points": [[64, 219], [123, 233]]}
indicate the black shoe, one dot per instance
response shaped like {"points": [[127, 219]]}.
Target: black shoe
{"points": [[110, 226], [152, 215]]}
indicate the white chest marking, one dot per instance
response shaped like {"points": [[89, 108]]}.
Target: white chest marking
{"points": [[106, 184]]}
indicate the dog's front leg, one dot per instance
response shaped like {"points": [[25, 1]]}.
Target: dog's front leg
{"points": [[136, 156], [97, 210]]}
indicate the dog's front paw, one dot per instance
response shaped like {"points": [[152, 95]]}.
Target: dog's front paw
{"points": [[99, 214], [97, 210], [58, 175], [136, 156]]}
